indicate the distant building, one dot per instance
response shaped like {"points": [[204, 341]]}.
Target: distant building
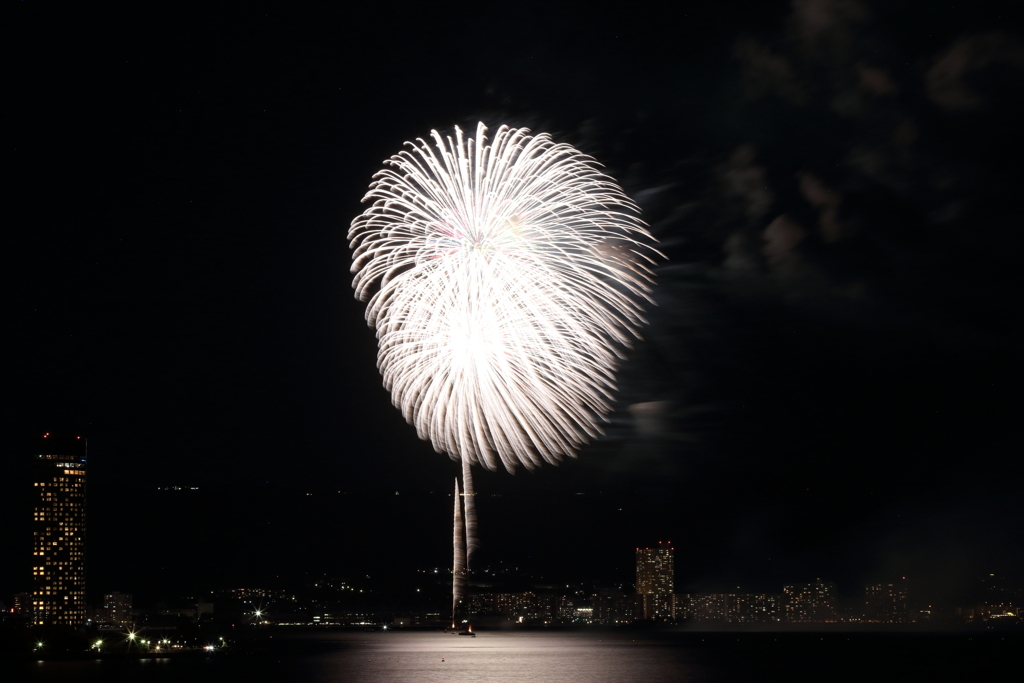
{"points": [[117, 609], [684, 605], [655, 580], [23, 604], [583, 615], [616, 608], [736, 608], [529, 607], [757, 608], [810, 602], [886, 603], [547, 608], [517, 605], [710, 607], [480, 603], [58, 566]]}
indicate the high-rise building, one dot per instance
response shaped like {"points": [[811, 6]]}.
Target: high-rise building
{"points": [[58, 554], [655, 581], [810, 602], [886, 603], [118, 608]]}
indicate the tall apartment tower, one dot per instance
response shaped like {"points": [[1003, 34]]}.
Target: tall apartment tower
{"points": [[655, 581], [886, 603], [58, 530]]}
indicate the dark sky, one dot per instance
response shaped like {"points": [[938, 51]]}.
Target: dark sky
{"points": [[830, 384]]}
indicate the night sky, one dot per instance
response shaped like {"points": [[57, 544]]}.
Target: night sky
{"points": [[830, 384]]}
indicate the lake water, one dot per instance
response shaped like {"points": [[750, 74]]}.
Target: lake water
{"points": [[564, 657]]}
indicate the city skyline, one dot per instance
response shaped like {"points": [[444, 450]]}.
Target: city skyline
{"points": [[334, 602], [828, 380], [59, 597], [416, 499]]}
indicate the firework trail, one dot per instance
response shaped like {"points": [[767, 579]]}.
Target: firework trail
{"points": [[504, 279], [459, 563], [469, 496]]}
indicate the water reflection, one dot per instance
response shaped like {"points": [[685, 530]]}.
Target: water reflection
{"points": [[408, 658], [563, 657], [552, 657]]}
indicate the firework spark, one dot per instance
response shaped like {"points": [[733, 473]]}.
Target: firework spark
{"points": [[504, 278]]}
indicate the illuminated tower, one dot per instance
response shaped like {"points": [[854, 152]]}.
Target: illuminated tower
{"points": [[58, 553], [886, 603], [655, 579]]}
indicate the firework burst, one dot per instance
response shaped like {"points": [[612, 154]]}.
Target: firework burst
{"points": [[504, 278]]}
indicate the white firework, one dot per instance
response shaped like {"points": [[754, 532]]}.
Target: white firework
{"points": [[504, 279]]}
